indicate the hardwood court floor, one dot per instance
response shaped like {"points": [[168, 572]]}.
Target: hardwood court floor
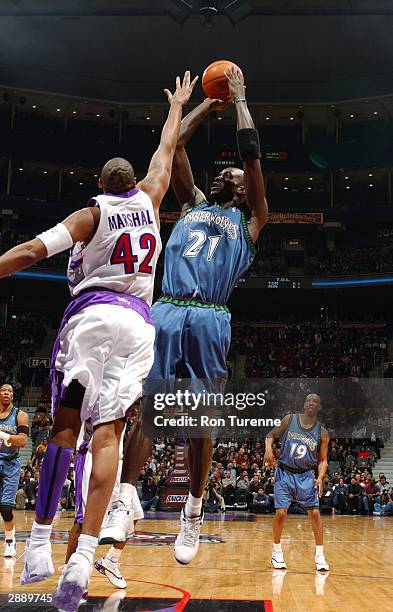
{"points": [[233, 563]]}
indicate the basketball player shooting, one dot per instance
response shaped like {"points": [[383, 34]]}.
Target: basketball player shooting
{"points": [[302, 439], [105, 343], [208, 251]]}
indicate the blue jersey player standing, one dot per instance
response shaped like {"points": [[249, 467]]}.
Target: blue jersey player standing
{"points": [[210, 248], [14, 429], [302, 439]]}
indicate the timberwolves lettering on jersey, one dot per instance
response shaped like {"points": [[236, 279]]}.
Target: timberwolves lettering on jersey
{"points": [[299, 446], [9, 425], [122, 256], [209, 250]]}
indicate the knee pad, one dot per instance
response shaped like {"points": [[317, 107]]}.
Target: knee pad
{"points": [[6, 513], [74, 395]]}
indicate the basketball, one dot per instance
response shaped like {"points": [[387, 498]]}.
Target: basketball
{"points": [[214, 81]]}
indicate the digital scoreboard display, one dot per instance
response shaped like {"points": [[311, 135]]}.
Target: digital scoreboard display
{"points": [[284, 282]]}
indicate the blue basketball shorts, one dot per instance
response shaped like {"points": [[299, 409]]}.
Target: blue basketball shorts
{"points": [[289, 487], [191, 342], [9, 480]]}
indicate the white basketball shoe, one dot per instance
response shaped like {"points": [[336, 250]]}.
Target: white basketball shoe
{"points": [[111, 569], [119, 524], [73, 584], [278, 560], [38, 563], [187, 542]]}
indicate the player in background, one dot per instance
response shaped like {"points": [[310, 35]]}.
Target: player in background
{"points": [[14, 431], [104, 347], [302, 439], [210, 248]]}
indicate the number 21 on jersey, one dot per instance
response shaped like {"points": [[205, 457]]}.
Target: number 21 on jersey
{"points": [[199, 238]]}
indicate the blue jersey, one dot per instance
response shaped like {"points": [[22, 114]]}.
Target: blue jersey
{"points": [[209, 249], [299, 446], [10, 426]]}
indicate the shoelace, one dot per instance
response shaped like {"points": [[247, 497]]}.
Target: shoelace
{"points": [[113, 512], [191, 532]]}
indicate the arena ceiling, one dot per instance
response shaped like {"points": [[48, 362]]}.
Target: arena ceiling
{"points": [[315, 51]]}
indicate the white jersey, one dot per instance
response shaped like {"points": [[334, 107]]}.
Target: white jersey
{"points": [[123, 253]]}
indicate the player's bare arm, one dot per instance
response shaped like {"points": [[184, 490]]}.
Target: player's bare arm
{"points": [[253, 178], [19, 439], [156, 182], [80, 226], [323, 462], [275, 434], [182, 180]]}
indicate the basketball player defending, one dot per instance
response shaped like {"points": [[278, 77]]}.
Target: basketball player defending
{"points": [[14, 430], [209, 249], [105, 343], [302, 439]]}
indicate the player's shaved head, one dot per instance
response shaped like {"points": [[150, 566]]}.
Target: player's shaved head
{"points": [[117, 176]]}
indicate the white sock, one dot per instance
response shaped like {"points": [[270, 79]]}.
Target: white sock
{"points": [[9, 535], [319, 550], [87, 547], [277, 547], [114, 554], [40, 534], [125, 493], [193, 506]]}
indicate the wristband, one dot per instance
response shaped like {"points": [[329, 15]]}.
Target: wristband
{"points": [[56, 239], [240, 100], [248, 143]]}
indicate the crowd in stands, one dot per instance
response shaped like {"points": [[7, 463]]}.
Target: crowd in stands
{"points": [[307, 349], [347, 261], [23, 334]]}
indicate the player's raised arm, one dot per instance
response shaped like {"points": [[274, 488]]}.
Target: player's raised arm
{"points": [[81, 225], [248, 144], [157, 180], [274, 434], [182, 180]]}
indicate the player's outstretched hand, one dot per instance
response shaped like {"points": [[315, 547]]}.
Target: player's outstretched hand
{"points": [[183, 89], [319, 486], [269, 459], [236, 86]]}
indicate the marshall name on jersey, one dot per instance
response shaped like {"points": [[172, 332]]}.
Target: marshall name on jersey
{"points": [[123, 253]]}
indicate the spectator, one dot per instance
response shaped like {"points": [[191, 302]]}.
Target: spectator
{"points": [[384, 509], [260, 502], [355, 496], [213, 500], [340, 496], [371, 496], [149, 500]]}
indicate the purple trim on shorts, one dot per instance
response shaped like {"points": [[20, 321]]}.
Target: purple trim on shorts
{"points": [[79, 466], [90, 297]]}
